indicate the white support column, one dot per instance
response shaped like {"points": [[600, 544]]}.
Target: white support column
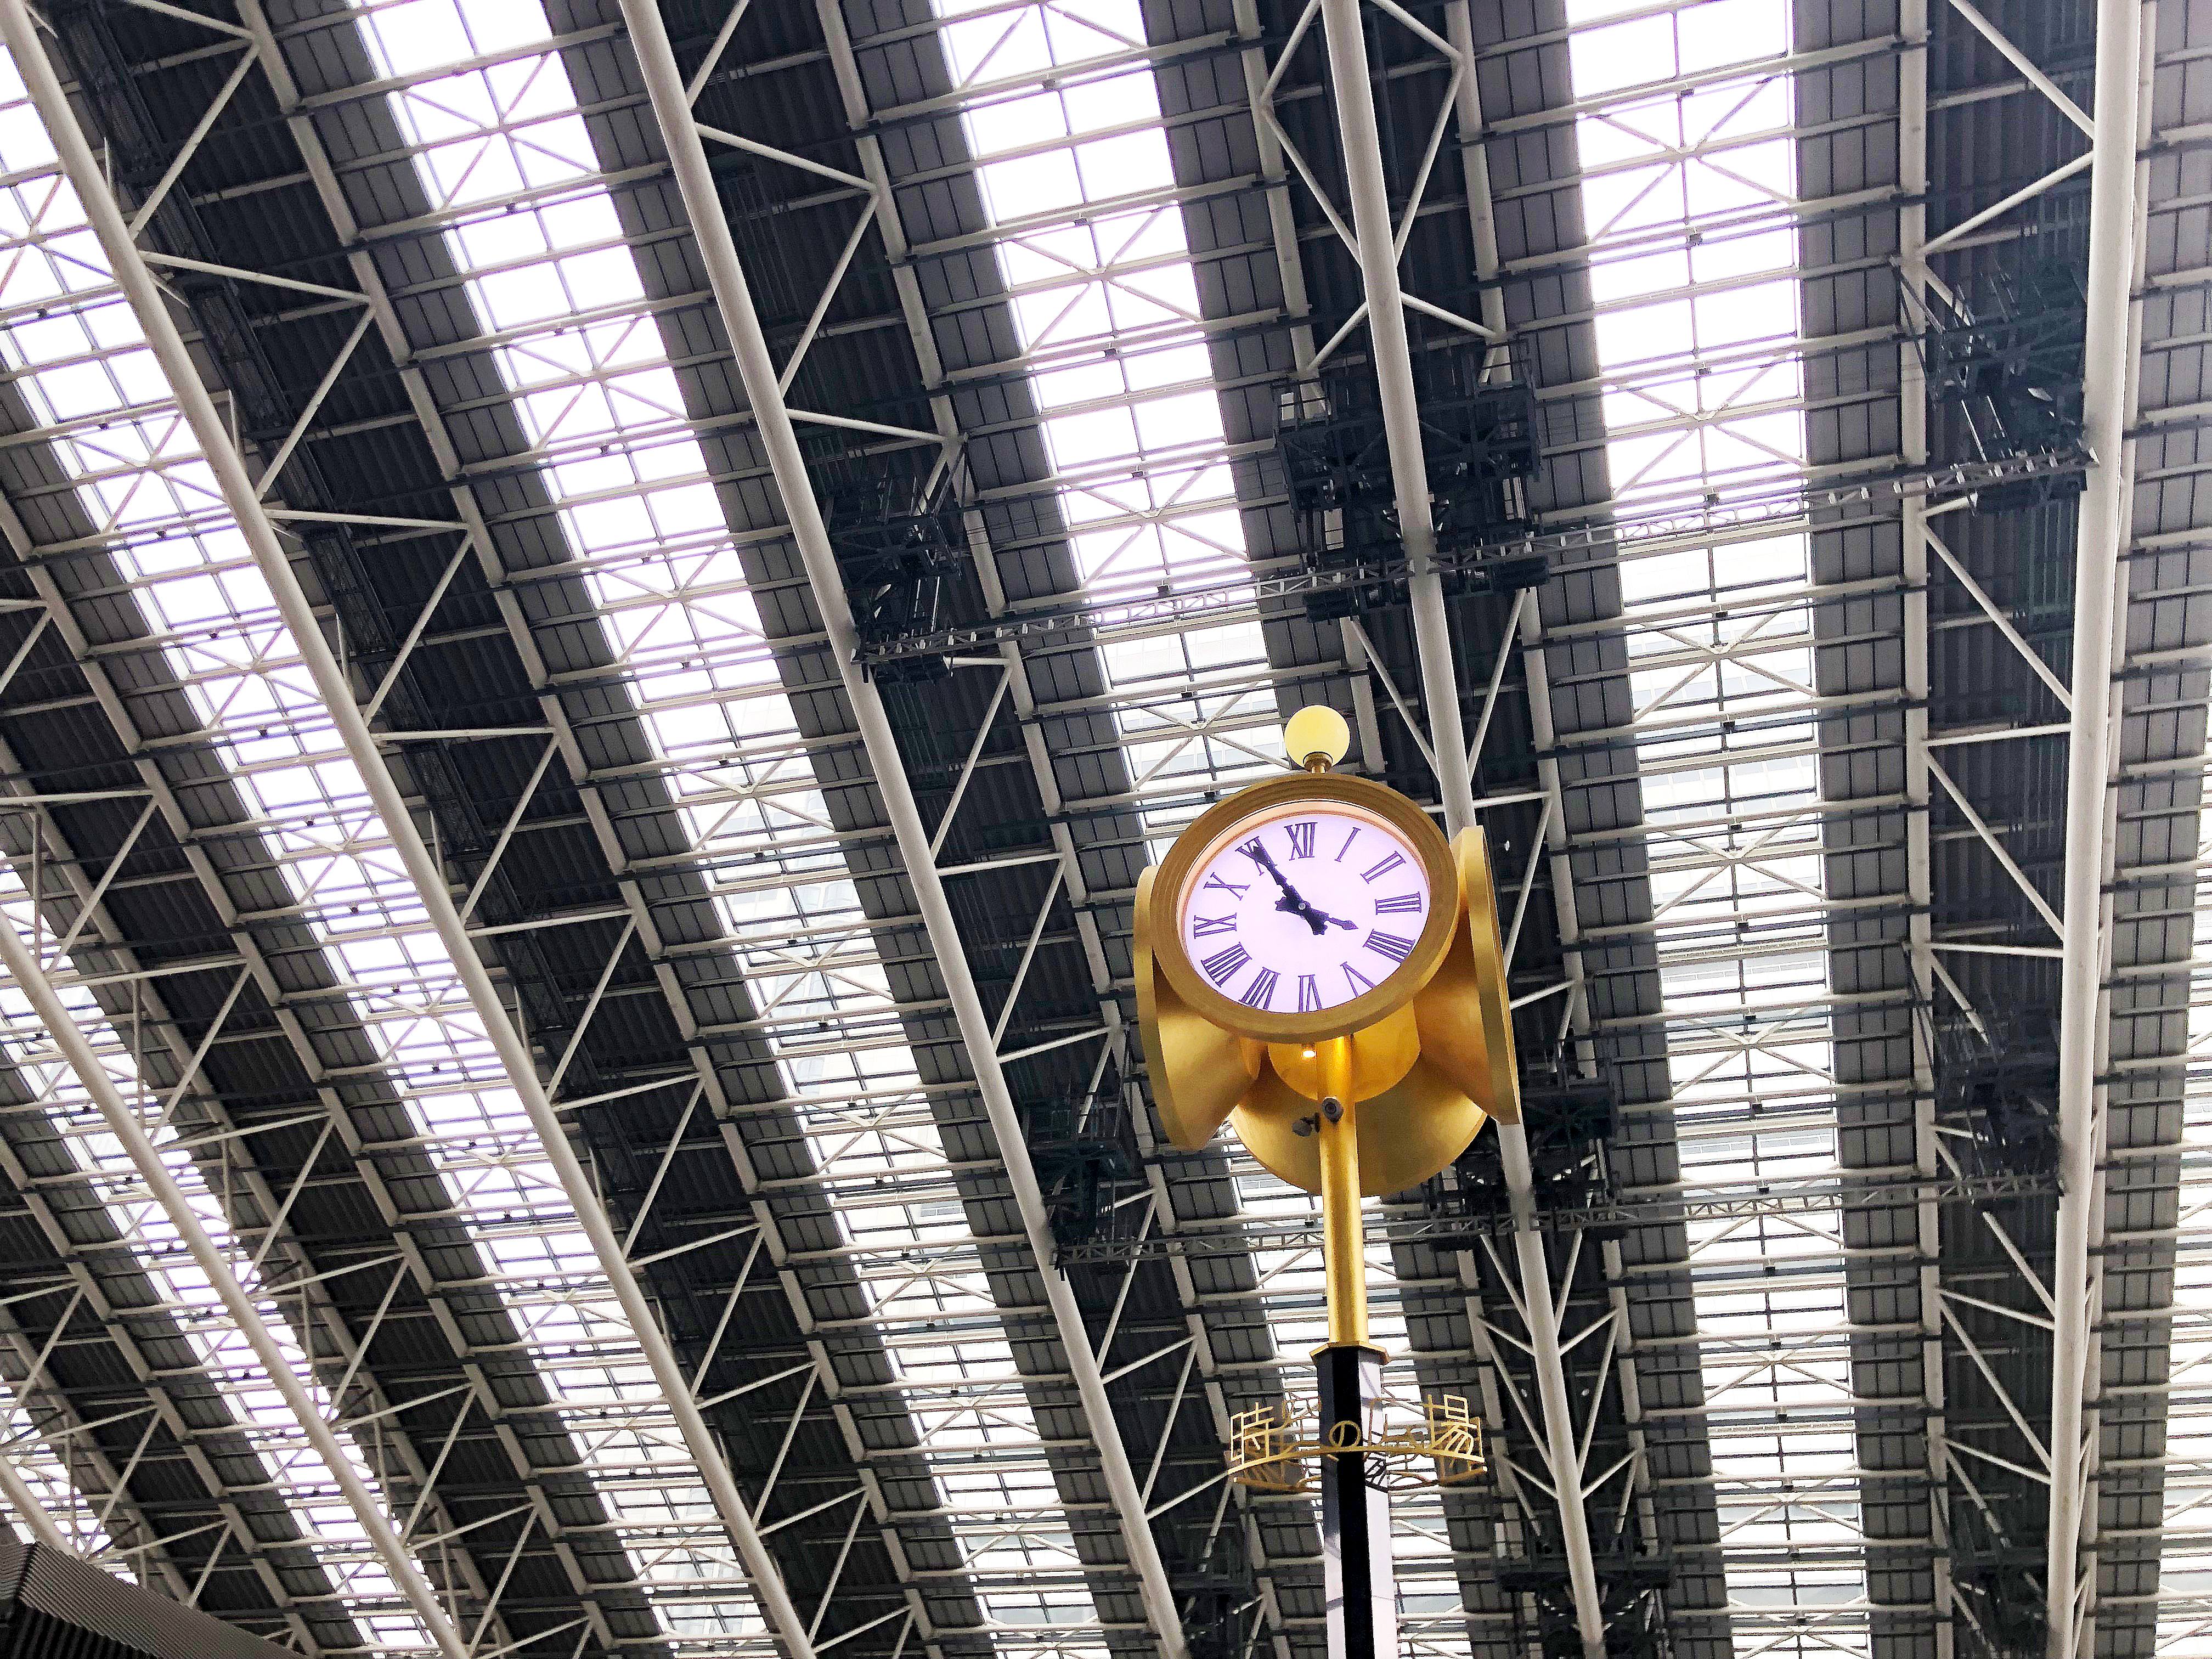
{"points": [[1402, 411], [756, 368], [240, 496], [1912, 445], [1393, 358], [2096, 582]]}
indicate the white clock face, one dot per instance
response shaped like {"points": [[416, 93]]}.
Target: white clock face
{"points": [[1304, 908]]}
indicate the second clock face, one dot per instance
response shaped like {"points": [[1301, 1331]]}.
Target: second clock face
{"points": [[1301, 910]]}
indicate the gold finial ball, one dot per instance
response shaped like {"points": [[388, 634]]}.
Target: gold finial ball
{"points": [[1317, 730]]}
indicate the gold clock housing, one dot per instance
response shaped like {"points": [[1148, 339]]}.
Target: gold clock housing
{"points": [[1164, 897], [1426, 1071]]}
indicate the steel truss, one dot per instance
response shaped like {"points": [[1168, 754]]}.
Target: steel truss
{"points": [[170, 1059], [1367, 718], [1979, 1320], [846, 962], [1632, 531], [1034, 692], [1554, 1493], [1635, 1210], [1073, 877], [157, 1048], [242, 495]]}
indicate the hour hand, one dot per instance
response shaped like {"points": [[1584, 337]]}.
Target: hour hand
{"points": [[1319, 920]]}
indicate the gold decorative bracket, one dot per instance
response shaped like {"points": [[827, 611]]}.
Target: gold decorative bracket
{"points": [[1279, 1447]]}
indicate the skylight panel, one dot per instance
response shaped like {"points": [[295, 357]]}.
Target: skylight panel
{"points": [[1130, 419], [1747, 1010], [80, 1516], [2184, 1580], [328, 1528], [602, 410], [1133, 430]]}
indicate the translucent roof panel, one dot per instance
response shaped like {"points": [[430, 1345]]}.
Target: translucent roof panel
{"points": [[1077, 175], [1729, 758], [2184, 1624], [601, 406], [357, 1577], [1075, 170]]}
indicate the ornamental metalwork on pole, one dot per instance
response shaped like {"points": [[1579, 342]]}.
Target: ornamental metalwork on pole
{"points": [[1316, 966]]}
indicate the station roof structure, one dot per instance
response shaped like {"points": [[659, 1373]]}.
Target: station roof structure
{"points": [[602, 602]]}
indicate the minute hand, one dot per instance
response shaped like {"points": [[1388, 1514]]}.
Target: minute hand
{"points": [[1292, 901]]}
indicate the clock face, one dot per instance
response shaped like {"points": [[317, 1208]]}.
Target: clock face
{"points": [[1302, 908]]}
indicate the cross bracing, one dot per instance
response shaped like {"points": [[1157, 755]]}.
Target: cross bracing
{"points": [[794, 957]]}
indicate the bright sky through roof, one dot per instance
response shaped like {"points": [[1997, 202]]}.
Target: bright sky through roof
{"points": [[1110, 308], [356, 1576], [603, 411], [1132, 423], [1749, 1018], [137, 472]]}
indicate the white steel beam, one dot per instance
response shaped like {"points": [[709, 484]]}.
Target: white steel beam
{"points": [[130, 1129], [759, 375], [2097, 574], [242, 496], [1386, 323], [1915, 544]]}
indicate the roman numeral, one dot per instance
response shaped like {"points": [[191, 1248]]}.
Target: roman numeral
{"points": [[1260, 992], [1309, 994], [1201, 926], [1355, 980], [1382, 867], [1399, 904], [1390, 945], [1302, 838], [1229, 886], [1222, 964], [1252, 849], [1346, 848]]}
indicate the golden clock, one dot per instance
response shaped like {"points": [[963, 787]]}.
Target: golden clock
{"points": [[1303, 908], [1310, 916]]}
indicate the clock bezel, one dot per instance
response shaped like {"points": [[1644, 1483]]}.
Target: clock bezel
{"points": [[1271, 799]]}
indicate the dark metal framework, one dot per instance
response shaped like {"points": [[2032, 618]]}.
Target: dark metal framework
{"points": [[602, 603]]}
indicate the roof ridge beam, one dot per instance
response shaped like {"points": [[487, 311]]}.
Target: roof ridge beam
{"points": [[2116, 257]]}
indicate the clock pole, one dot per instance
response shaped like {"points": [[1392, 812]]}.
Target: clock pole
{"points": [[1358, 1582], [1427, 1058]]}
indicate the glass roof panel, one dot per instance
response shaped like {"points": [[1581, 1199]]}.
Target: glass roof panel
{"points": [[2185, 1621], [601, 406], [1728, 755], [1136, 438], [82, 360]]}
